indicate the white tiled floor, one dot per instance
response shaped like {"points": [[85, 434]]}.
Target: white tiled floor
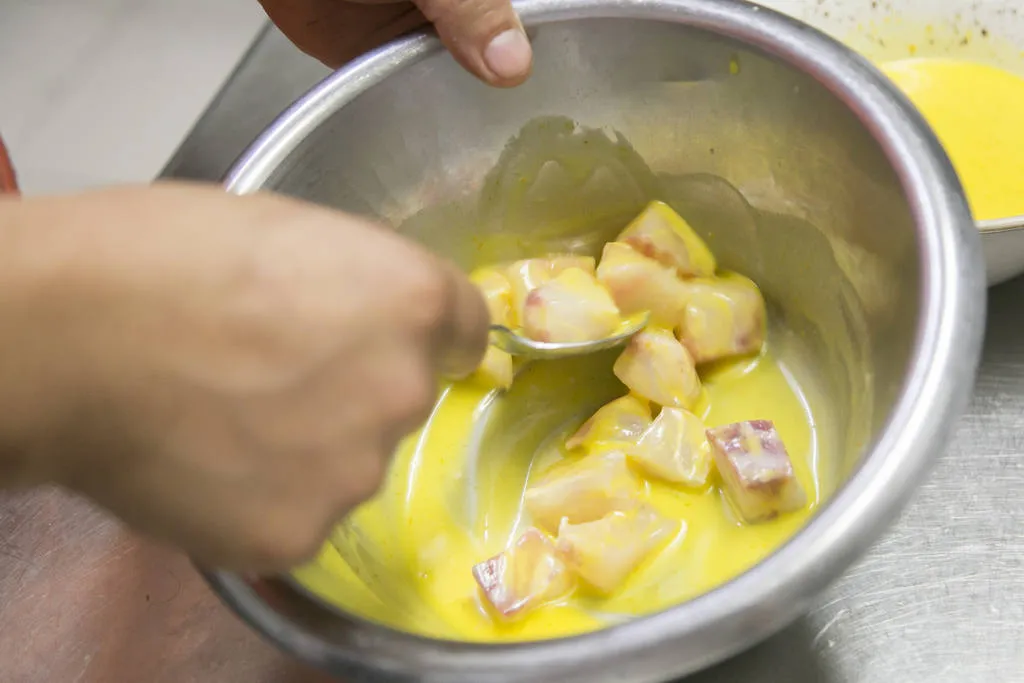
{"points": [[95, 92]]}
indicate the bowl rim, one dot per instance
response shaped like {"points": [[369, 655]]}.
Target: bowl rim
{"points": [[764, 599], [1008, 224]]}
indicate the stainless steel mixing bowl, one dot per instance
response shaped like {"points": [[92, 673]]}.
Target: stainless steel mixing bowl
{"points": [[798, 162]]}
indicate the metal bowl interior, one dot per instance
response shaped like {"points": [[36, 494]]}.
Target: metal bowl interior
{"points": [[796, 160]]}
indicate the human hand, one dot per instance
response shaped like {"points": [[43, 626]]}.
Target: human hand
{"points": [[485, 36], [230, 374]]}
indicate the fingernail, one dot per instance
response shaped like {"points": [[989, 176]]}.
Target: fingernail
{"points": [[508, 55]]}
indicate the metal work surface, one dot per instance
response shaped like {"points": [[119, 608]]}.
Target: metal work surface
{"points": [[941, 598]]}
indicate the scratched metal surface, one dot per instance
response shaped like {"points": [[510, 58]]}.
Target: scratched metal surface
{"points": [[940, 600]]}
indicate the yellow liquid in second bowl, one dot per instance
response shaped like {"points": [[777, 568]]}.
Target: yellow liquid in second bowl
{"points": [[977, 112], [438, 516]]}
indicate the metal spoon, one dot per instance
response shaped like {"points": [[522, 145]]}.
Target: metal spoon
{"points": [[518, 345]]}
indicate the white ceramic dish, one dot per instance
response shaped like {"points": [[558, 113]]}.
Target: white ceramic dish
{"points": [[989, 31]]}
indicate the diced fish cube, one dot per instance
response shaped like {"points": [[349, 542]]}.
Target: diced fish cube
{"points": [[757, 474], [620, 422], [638, 283], [584, 490], [606, 551], [722, 317], [663, 235], [527, 575], [674, 448], [497, 291], [525, 276], [529, 274], [655, 366], [572, 307], [496, 370]]}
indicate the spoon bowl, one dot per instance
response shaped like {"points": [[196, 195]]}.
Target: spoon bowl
{"points": [[516, 344]]}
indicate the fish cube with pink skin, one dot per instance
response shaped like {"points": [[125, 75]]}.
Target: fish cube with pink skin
{"points": [[638, 283], [655, 366], [524, 277], [674, 448], [527, 575], [529, 274], [756, 471], [723, 317], [663, 235], [583, 490], [572, 307], [606, 551], [620, 422]]}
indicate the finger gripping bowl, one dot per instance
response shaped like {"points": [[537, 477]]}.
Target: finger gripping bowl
{"points": [[801, 166], [8, 181]]}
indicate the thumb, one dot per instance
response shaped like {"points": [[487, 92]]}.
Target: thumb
{"points": [[485, 36]]}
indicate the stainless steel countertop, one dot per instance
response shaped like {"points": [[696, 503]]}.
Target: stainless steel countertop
{"points": [[941, 598]]}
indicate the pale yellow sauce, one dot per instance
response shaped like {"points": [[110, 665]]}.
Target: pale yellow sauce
{"points": [[425, 537], [976, 112]]}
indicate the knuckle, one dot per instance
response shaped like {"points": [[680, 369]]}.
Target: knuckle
{"points": [[300, 548], [435, 10], [442, 9], [413, 399], [473, 20], [364, 486], [286, 547], [410, 401], [428, 293]]}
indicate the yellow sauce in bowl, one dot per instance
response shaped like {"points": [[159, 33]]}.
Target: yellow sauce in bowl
{"points": [[444, 509], [976, 111]]}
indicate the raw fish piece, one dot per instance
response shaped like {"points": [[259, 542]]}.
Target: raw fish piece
{"points": [[524, 577], [572, 307], [497, 291], [606, 551], [723, 317], [526, 275], [584, 490], [621, 421], [496, 369], [675, 448], [663, 235], [655, 366], [561, 263], [757, 474], [638, 283]]}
